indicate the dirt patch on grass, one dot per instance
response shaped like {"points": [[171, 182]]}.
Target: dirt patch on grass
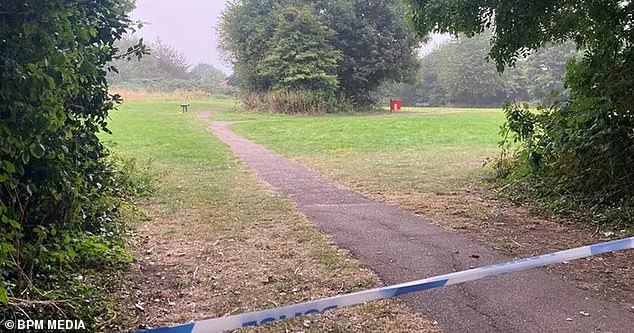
{"points": [[204, 115], [521, 232], [248, 252]]}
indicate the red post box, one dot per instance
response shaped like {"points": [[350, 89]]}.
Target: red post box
{"points": [[395, 106]]}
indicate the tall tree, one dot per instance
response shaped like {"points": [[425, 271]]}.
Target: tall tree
{"points": [[544, 71], [162, 61], [376, 43], [372, 36], [458, 72], [245, 28], [466, 76], [300, 55]]}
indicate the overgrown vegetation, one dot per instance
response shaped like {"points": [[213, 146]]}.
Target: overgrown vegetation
{"points": [[302, 101], [575, 156], [300, 64], [61, 196], [340, 49]]}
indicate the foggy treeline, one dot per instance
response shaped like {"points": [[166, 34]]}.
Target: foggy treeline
{"points": [[458, 73], [163, 69]]}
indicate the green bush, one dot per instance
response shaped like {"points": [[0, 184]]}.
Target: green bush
{"points": [[56, 261], [573, 161], [61, 198]]}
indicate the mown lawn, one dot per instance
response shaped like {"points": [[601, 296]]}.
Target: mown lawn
{"points": [[216, 241], [424, 150]]}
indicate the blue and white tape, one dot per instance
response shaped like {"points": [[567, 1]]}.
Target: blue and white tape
{"points": [[317, 306]]}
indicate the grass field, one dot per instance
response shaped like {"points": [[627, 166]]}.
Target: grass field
{"points": [[217, 242], [429, 161], [429, 150]]}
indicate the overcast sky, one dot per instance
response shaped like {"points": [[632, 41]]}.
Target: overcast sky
{"points": [[187, 25]]}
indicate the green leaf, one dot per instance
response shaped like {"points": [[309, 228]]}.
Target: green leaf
{"points": [[37, 150], [4, 299], [9, 167], [71, 253], [15, 224]]}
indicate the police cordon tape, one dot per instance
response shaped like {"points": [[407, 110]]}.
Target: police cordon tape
{"points": [[302, 309]]}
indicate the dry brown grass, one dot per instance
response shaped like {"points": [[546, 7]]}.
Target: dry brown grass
{"points": [[187, 272], [219, 242], [145, 96], [522, 232], [443, 194]]}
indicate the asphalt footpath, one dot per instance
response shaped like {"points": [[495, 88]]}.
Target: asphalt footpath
{"points": [[400, 246]]}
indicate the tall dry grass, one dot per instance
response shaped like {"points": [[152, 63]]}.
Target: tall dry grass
{"points": [[296, 102], [176, 95]]}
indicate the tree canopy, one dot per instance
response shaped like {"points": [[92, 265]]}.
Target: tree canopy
{"points": [[299, 55], [458, 73], [368, 41], [162, 61], [208, 74], [522, 26]]}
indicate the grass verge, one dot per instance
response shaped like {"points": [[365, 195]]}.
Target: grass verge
{"points": [[430, 150]]}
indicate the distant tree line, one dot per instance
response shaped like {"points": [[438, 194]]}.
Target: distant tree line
{"points": [[163, 69], [458, 73], [331, 53]]}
